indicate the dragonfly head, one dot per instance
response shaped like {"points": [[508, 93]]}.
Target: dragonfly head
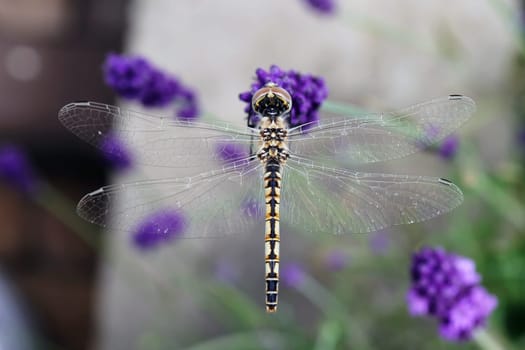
{"points": [[271, 101]]}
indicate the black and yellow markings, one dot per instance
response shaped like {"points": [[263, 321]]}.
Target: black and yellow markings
{"points": [[273, 153], [272, 191]]}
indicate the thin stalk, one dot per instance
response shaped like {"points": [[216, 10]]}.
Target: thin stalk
{"points": [[486, 341], [318, 295]]}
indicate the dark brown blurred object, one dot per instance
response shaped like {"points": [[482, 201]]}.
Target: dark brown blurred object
{"points": [[51, 52], [34, 18], [52, 55]]}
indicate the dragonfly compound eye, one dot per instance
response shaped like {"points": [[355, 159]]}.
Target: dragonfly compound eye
{"points": [[271, 100]]}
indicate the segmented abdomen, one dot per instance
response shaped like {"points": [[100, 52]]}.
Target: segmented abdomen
{"points": [[272, 194]]}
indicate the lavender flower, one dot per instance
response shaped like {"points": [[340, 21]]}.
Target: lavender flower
{"points": [[449, 147], [336, 260], [293, 275], [115, 153], [16, 170], [159, 90], [189, 106], [136, 79], [127, 75], [189, 112], [446, 286], [324, 7], [158, 228], [469, 313], [308, 93]]}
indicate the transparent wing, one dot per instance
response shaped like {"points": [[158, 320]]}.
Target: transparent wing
{"points": [[214, 204], [154, 140], [382, 136], [319, 199]]}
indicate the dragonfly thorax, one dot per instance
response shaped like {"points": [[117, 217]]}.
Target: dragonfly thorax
{"points": [[273, 135]]}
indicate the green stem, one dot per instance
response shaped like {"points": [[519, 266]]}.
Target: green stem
{"points": [[233, 302], [328, 336], [209, 117], [499, 199], [342, 108], [502, 201], [486, 341], [321, 297], [318, 295], [245, 340]]}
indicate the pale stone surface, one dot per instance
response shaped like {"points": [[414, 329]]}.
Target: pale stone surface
{"points": [[215, 47]]}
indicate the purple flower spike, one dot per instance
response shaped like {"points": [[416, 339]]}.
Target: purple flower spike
{"points": [[115, 153], [468, 314], [308, 93], [447, 287], [189, 109], [135, 78], [159, 90], [325, 7], [449, 147], [127, 75], [293, 275], [158, 228], [16, 170], [417, 305], [336, 260], [189, 112]]}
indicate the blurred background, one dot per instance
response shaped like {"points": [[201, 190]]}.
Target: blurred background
{"points": [[69, 285]]}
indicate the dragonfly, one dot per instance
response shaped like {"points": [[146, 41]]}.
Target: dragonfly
{"points": [[243, 175]]}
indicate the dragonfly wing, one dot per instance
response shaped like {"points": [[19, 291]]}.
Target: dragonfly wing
{"points": [[319, 199], [155, 140], [383, 136], [214, 204]]}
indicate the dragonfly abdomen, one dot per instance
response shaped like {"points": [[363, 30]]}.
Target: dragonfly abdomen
{"points": [[272, 191]]}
